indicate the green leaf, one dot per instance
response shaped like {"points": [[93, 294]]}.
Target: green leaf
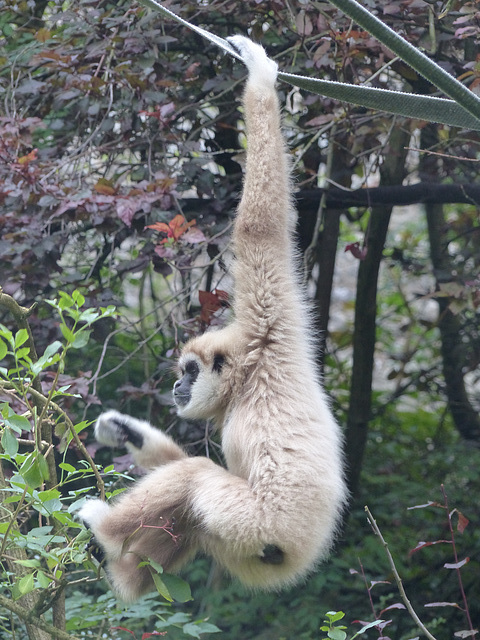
{"points": [[49, 494], [161, 587], [32, 563], [20, 337], [3, 349], [23, 353], [9, 443], [65, 301], [178, 588], [67, 467], [7, 335], [335, 616], [78, 298], [366, 627], [337, 634], [81, 339], [89, 316], [34, 470], [207, 627], [26, 584], [191, 629], [43, 580], [67, 333], [18, 423]]}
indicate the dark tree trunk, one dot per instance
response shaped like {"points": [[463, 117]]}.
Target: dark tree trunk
{"points": [[364, 336], [465, 417]]}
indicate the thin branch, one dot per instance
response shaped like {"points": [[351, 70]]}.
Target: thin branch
{"points": [[78, 442], [42, 400], [32, 618], [397, 577]]}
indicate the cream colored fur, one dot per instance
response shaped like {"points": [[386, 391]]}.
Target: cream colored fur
{"points": [[283, 487]]}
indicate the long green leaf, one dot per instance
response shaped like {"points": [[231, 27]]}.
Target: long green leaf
{"points": [[412, 56], [404, 104]]}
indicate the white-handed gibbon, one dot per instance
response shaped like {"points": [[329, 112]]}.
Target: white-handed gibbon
{"points": [[271, 515]]}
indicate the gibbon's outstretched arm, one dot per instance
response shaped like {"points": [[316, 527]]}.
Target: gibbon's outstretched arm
{"points": [[271, 515], [149, 447]]}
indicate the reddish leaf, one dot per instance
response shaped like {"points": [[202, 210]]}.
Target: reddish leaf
{"points": [[428, 504], [462, 522], [153, 633], [174, 229], [159, 226], [397, 605], [356, 251], [123, 629], [421, 545], [442, 604], [211, 302], [105, 187], [28, 158]]}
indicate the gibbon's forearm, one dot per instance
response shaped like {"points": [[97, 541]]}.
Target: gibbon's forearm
{"points": [[149, 447], [265, 206]]}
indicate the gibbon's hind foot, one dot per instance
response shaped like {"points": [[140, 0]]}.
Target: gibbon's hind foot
{"points": [[261, 69]]}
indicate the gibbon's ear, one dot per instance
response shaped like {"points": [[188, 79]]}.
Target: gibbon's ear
{"points": [[197, 394]]}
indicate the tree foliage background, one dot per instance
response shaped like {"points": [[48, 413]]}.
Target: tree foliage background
{"points": [[120, 165]]}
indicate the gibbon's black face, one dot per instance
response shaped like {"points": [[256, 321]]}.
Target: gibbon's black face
{"points": [[196, 393], [182, 389]]}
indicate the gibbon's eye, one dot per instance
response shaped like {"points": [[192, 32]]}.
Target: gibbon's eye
{"points": [[218, 362], [192, 369]]}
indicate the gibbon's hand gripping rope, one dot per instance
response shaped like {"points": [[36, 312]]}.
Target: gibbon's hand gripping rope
{"points": [[463, 111]]}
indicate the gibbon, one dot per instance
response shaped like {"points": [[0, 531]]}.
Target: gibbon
{"points": [[271, 515]]}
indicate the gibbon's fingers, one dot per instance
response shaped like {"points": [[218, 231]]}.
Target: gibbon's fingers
{"points": [[262, 70], [150, 447]]}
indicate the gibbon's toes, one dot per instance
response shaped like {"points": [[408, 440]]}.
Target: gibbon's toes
{"points": [[259, 65], [95, 550], [110, 429]]}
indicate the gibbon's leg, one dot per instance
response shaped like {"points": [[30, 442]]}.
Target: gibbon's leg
{"points": [[189, 505], [150, 447]]}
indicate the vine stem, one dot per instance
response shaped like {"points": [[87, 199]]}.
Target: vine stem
{"points": [[42, 399], [455, 555], [397, 577]]}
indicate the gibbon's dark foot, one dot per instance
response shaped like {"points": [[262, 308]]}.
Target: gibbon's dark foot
{"points": [[95, 551], [93, 548], [272, 555]]}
